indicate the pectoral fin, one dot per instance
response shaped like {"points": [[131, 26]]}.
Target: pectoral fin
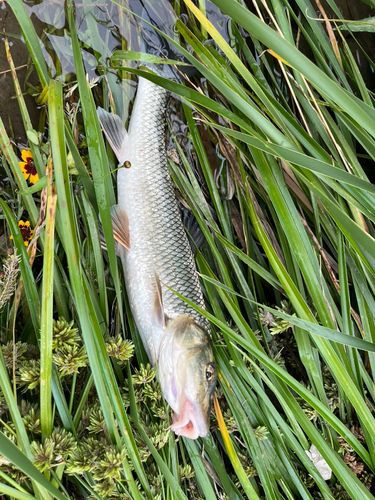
{"points": [[120, 226], [159, 314]]}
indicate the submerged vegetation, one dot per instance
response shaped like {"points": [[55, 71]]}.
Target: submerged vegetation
{"points": [[269, 149]]}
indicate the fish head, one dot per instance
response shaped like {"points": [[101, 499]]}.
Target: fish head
{"points": [[187, 375]]}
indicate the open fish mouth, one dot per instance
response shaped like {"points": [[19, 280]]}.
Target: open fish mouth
{"points": [[186, 424]]}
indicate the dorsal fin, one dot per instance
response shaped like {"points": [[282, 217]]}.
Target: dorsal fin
{"points": [[120, 225], [115, 133]]}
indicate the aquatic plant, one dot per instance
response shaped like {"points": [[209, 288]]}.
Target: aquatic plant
{"points": [[8, 279]]}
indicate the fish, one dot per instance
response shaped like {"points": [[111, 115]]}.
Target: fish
{"points": [[157, 258]]}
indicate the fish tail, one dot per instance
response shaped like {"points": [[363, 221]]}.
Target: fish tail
{"points": [[115, 133]]}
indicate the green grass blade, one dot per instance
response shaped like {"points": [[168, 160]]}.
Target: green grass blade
{"points": [[314, 328], [361, 241], [98, 157], [175, 487], [7, 390], [46, 320], [11, 158], [86, 313], [263, 273], [27, 274], [25, 114], [80, 166], [201, 475], [32, 41], [97, 250], [320, 167], [352, 106], [219, 467], [130, 55], [46, 323], [247, 486], [12, 492]]}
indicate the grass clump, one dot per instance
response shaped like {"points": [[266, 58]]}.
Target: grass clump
{"points": [[272, 153]]}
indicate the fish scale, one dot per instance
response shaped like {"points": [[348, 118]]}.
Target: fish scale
{"points": [[157, 238]]}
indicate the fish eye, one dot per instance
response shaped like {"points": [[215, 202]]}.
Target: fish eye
{"points": [[210, 373]]}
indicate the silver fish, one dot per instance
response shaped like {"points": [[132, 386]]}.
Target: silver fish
{"points": [[155, 252]]}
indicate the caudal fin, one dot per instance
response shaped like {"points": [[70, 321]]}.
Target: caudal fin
{"points": [[115, 133]]}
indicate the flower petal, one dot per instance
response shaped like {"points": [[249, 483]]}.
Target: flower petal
{"points": [[25, 154], [34, 178]]}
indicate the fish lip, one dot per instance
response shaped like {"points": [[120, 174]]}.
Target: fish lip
{"points": [[187, 423]]}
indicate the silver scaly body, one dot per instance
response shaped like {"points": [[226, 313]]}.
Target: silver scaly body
{"points": [[158, 242], [156, 254]]}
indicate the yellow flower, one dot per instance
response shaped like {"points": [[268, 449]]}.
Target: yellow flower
{"points": [[26, 231], [28, 167]]}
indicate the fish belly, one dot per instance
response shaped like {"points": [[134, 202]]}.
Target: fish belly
{"points": [[158, 242]]}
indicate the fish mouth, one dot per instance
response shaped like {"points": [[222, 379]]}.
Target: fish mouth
{"points": [[186, 424]]}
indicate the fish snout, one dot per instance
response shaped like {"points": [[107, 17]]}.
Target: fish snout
{"points": [[191, 423]]}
